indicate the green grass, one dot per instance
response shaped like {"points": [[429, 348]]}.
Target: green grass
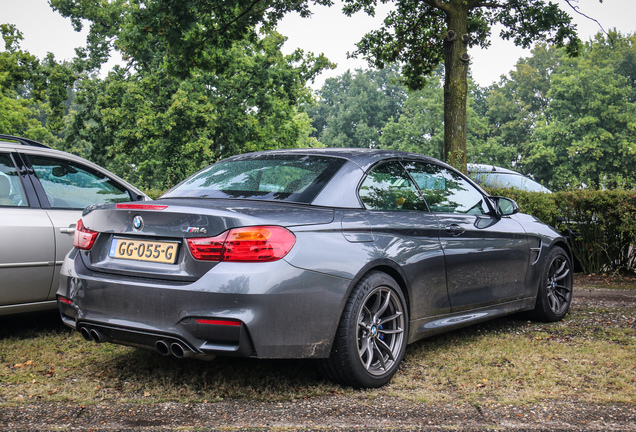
{"points": [[587, 357], [514, 361]]}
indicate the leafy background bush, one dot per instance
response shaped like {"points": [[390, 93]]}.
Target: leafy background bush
{"points": [[601, 225]]}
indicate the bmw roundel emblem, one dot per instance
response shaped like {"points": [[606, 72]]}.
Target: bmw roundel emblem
{"points": [[138, 222]]}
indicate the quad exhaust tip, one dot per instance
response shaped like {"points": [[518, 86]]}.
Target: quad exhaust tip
{"points": [[163, 346], [86, 334], [177, 349], [98, 336], [92, 334]]}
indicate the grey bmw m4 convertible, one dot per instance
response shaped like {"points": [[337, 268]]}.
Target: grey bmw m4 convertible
{"points": [[343, 255]]}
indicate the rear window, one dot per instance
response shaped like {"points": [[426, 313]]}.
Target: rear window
{"points": [[294, 178]]}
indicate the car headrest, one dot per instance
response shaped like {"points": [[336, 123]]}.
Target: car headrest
{"points": [[5, 186]]}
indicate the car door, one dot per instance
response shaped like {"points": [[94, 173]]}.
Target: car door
{"points": [[66, 188], [486, 255], [27, 245], [405, 231]]}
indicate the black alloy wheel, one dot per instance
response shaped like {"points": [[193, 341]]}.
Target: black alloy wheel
{"points": [[555, 290]]}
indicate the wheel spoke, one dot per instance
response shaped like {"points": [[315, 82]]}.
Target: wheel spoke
{"points": [[384, 347], [558, 298], [390, 318], [376, 304], [559, 293], [365, 348], [560, 274], [369, 361], [385, 304], [366, 311], [380, 356], [391, 332]]}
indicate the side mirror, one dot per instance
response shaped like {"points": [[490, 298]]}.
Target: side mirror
{"points": [[505, 206], [137, 197]]}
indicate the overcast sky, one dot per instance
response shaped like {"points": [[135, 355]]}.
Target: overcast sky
{"points": [[328, 31]]}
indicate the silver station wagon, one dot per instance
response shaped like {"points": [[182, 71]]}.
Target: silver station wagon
{"points": [[42, 194]]}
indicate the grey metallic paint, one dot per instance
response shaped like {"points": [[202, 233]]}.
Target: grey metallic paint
{"points": [[291, 308]]}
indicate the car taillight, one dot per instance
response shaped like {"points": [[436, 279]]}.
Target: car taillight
{"points": [[249, 244], [208, 248], [83, 238]]}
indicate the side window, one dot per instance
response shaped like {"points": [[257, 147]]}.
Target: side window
{"points": [[11, 191], [69, 185], [388, 187], [445, 191]]}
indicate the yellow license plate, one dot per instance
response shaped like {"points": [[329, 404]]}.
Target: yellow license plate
{"points": [[143, 250]]}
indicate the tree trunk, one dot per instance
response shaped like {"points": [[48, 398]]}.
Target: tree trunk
{"points": [[456, 84]]}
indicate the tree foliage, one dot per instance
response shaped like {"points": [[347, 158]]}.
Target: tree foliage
{"points": [[199, 82], [372, 108], [421, 34], [155, 128], [568, 122], [420, 126], [418, 34], [180, 36], [354, 107], [33, 92]]}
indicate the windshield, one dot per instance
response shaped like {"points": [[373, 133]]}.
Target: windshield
{"points": [[294, 178], [503, 180]]}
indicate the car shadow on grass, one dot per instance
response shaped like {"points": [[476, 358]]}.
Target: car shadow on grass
{"points": [[31, 325], [138, 374]]}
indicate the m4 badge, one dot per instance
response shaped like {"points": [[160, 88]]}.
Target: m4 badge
{"points": [[196, 230]]}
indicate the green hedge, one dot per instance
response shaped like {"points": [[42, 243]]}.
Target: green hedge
{"points": [[602, 224]]}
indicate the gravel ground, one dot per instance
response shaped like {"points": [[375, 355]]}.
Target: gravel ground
{"points": [[334, 413], [320, 414]]}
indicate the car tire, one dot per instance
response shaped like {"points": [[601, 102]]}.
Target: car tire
{"points": [[371, 336], [555, 287]]}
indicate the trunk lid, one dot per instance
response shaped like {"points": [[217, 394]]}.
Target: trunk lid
{"points": [[164, 225]]}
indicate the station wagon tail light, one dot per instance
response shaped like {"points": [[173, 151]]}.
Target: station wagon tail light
{"points": [[83, 237], [249, 244]]}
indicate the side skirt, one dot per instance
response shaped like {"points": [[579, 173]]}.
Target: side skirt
{"points": [[430, 326]]}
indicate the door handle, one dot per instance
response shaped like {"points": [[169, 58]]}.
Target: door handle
{"points": [[69, 230], [454, 229]]}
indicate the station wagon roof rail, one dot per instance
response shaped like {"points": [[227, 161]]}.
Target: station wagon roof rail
{"points": [[23, 141]]}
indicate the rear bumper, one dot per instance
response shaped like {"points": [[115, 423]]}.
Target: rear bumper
{"points": [[266, 310], [215, 340]]}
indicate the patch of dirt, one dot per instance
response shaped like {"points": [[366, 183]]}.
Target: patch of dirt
{"points": [[319, 414], [345, 413], [600, 297], [605, 280]]}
